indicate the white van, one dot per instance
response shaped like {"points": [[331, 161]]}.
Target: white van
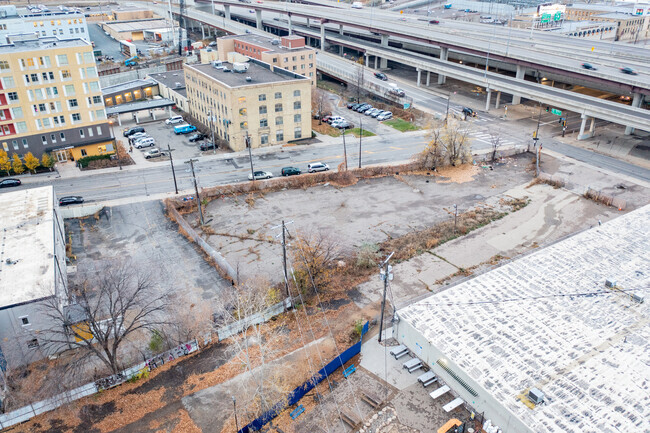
{"points": [[357, 5], [144, 142], [174, 120]]}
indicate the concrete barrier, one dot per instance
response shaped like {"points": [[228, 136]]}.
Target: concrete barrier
{"points": [[80, 211]]}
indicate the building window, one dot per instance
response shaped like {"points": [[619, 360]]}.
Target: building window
{"points": [[15, 144], [262, 109], [44, 140], [21, 127], [76, 117], [65, 74], [13, 96], [24, 320], [83, 152], [278, 120], [62, 135], [264, 139], [90, 132], [62, 59], [33, 344], [296, 93], [296, 105], [242, 99], [279, 135], [81, 132], [262, 97], [278, 108], [296, 118], [278, 95], [242, 111], [4, 65], [53, 138], [99, 130], [264, 123], [72, 103], [297, 132], [243, 125]]}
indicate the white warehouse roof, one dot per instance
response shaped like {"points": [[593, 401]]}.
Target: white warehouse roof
{"points": [[547, 321]]}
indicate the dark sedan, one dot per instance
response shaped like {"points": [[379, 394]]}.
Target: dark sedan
{"points": [[628, 71], [71, 199], [197, 137], [381, 76], [6, 183]]}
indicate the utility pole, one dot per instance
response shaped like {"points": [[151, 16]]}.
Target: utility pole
{"points": [[345, 154], [171, 161], [385, 275], [447, 112], [539, 146], [455, 216], [283, 226], [196, 188], [360, 135], [250, 155], [234, 405]]}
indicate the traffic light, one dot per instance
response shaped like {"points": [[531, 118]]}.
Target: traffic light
{"points": [[534, 134], [564, 123], [548, 109], [560, 120]]}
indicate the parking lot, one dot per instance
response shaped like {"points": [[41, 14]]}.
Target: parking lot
{"points": [[164, 136], [367, 122]]}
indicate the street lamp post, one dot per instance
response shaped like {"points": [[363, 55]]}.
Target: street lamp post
{"points": [[117, 147], [345, 154], [234, 405], [250, 155], [171, 161], [360, 135], [214, 145]]}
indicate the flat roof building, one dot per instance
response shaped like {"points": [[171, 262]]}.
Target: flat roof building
{"points": [[567, 322], [33, 268], [271, 105], [288, 52], [171, 85], [60, 23]]}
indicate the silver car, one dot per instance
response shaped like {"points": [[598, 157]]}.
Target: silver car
{"points": [[317, 166]]}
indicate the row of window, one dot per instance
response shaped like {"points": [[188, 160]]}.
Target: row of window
{"points": [[278, 108], [58, 22], [264, 123], [53, 139], [64, 74], [53, 92], [55, 32], [61, 60], [278, 95], [279, 135]]}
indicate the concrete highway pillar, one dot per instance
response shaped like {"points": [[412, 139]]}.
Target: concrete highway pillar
{"points": [[258, 15], [592, 127], [119, 120], [444, 55], [419, 76], [428, 78], [340, 50], [521, 73], [322, 36], [290, 26], [340, 29], [637, 100], [487, 101], [366, 59], [226, 10], [135, 116], [202, 32], [496, 105], [384, 40], [153, 114], [308, 23], [583, 135], [169, 111], [376, 60], [383, 62]]}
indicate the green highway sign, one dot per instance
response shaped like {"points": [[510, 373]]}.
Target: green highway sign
{"points": [[557, 16], [556, 111], [546, 18]]}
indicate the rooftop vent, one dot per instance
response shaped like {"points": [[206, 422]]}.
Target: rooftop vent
{"points": [[275, 42], [177, 84], [249, 79], [536, 396]]}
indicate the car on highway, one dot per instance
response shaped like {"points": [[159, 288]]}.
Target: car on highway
{"points": [[6, 183], [70, 199], [207, 146], [385, 116], [174, 120], [629, 71], [434, 22], [153, 153], [290, 171], [144, 142], [469, 112], [381, 76], [261, 175], [397, 91], [588, 66], [130, 131], [317, 166], [197, 137]]}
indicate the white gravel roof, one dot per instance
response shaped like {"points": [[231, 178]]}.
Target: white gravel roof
{"points": [[548, 321]]}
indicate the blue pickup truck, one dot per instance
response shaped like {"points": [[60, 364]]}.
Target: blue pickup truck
{"points": [[184, 129]]}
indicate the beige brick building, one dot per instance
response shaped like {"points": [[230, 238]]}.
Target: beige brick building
{"points": [[271, 104], [289, 52]]}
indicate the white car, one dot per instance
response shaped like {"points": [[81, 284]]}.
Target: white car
{"points": [[153, 153], [317, 166], [137, 136], [174, 120], [385, 115], [261, 175], [144, 142]]}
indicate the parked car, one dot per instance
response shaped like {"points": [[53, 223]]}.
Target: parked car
{"points": [[70, 199], [385, 116], [354, 106], [144, 142], [469, 112], [207, 146], [153, 153], [374, 111], [351, 104], [381, 76], [137, 136], [365, 108], [317, 166], [333, 119], [129, 132], [261, 175], [197, 137], [174, 120], [628, 71], [325, 114], [377, 113], [588, 66], [326, 119], [6, 183], [343, 125], [290, 171], [184, 129]]}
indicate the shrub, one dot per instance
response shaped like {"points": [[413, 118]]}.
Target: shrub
{"points": [[367, 255], [83, 162]]}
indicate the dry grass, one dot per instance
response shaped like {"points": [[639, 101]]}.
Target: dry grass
{"points": [[324, 128], [548, 180]]}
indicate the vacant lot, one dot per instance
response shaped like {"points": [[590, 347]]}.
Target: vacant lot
{"points": [[243, 228]]}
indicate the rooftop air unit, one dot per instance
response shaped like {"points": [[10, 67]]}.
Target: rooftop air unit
{"points": [[275, 42], [536, 396], [249, 79]]}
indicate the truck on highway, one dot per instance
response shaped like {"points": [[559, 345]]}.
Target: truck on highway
{"points": [[448, 6], [131, 61], [357, 5]]}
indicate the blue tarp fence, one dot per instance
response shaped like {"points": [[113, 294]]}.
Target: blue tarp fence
{"points": [[298, 393]]}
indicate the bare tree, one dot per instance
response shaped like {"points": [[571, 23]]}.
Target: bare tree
{"points": [[449, 144], [98, 316], [315, 256], [495, 143], [321, 103], [359, 79]]}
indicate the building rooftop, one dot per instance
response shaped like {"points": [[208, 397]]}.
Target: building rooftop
{"points": [[259, 72], [46, 43], [548, 321], [123, 87], [627, 8], [267, 42], [138, 25], [175, 80], [27, 247], [618, 16]]}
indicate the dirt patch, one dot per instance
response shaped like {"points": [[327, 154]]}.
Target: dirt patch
{"points": [[461, 174], [161, 420], [93, 413]]}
